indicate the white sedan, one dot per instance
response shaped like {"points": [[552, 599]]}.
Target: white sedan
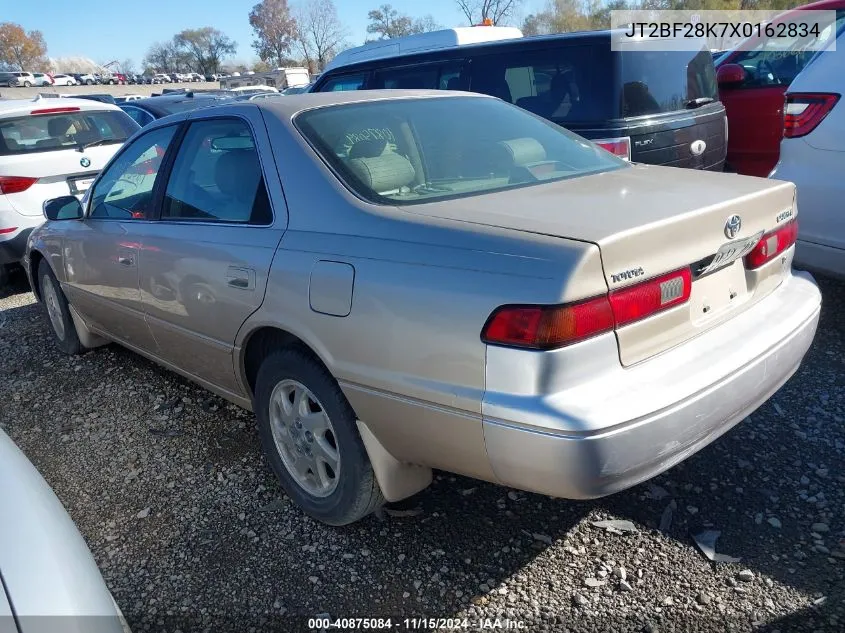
{"points": [[812, 155]]}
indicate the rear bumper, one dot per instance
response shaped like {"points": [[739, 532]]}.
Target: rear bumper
{"points": [[614, 431]]}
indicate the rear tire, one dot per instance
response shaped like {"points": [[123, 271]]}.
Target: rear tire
{"points": [[58, 311], [336, 495], [27, 84]]}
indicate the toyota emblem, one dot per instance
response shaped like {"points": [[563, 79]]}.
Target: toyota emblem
{"points": [[697, 147], [85, 161], [732, 226]]}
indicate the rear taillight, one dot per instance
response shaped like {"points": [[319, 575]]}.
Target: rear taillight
{"points": [[547, 327], [621, 146], [15, 184], [650, 297], [8, 229], [804, 111], [772, 244]]}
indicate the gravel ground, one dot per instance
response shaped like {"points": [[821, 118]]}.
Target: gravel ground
{"points": [[191, 531]]}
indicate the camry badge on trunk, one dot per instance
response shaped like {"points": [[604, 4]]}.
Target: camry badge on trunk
{"points": [[732, 226], [85, 161], [697, 147]]}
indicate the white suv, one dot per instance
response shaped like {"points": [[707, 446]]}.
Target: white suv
{"points": [[50, 148], [161, 78], [24, 80]]}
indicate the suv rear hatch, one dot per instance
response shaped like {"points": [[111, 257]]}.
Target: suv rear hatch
{"points": [[664, 109], [684, 239], [56, 151]]}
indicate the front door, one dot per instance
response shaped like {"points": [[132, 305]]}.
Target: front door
{"points": [[101, 260], [205, 262]]}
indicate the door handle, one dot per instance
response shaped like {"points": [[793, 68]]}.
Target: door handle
{"points": [[125, 260], [240, 278]]}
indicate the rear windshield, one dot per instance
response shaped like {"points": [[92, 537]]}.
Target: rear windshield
{"points": [[66, 130], [654, 82], [407, 151], [192, 103]]}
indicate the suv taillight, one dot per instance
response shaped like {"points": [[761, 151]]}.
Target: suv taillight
{"points": [[772, 244], [621, 146], [804, 111], [15, 184], [548, 327]]}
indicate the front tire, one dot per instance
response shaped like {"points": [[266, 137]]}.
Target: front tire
{"points": [[58, 311], [27, 84], [309, 435]]}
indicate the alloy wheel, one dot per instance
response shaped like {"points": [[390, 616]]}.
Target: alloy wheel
{"points": [[304, 438]]}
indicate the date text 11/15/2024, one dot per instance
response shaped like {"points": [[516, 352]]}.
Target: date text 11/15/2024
{"points": [[414, 624]]}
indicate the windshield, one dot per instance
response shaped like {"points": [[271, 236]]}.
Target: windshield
{"points": [[61, 131], [406, 151]]}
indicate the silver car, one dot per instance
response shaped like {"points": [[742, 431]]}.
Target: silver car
{"points": [[50, 581], [398, 281]]}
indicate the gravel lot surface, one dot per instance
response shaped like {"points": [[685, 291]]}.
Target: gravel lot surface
{"points": [[145, 90], [167, 484]]}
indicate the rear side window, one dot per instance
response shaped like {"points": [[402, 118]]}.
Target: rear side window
{"points": [[444, 76], [344, 83], [141, 117], [563, 84], [62, 131], [654, 82], [217, 176]]}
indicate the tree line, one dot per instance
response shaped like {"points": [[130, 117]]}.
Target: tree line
{"points": [[310, 32]]}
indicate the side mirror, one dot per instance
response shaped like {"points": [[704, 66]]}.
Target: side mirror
{"points": [[64, 208], [730, 75]]}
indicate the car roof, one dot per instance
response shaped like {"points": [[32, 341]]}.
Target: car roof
{"points": [[155, 104], [16, 107], [291, 105]]}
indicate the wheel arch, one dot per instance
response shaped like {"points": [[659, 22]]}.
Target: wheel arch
{"points": [[263, 339]]}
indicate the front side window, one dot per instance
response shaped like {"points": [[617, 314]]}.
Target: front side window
{"points": [[217, 176], [125, 190], [406, 151], [70, 130]]}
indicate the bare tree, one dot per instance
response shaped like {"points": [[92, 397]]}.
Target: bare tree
{"points": [[387, 23], [320, 33], [425, 24], [127, 67], [497, 11], [162, 57], [275, 30]]}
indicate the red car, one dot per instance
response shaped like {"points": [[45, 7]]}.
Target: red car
{"points": [[752, 85]]}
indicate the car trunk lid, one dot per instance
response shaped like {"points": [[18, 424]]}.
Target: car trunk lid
{"points": [[648, 222]]}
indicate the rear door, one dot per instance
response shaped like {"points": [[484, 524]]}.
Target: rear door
{"points": [[205, 262], [60, 150]]}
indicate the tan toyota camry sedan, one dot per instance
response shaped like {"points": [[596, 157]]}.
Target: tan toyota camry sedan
{"points": [[401, 281]]}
